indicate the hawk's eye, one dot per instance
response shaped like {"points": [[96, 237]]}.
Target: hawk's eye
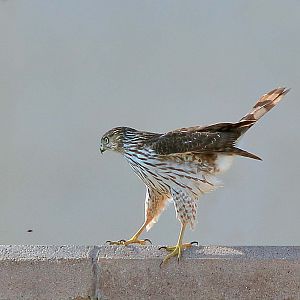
{"points": [[106, 140]]}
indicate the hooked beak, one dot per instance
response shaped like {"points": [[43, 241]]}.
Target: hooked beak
{"points": [[101, 149]]}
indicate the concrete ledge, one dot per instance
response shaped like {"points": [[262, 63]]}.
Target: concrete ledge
{"points": [[114, 272]]}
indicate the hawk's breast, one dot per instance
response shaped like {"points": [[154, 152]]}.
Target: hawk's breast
{"points": [[192, 173]]}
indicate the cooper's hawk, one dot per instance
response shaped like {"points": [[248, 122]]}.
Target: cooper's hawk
{"points": [[181, 165]]}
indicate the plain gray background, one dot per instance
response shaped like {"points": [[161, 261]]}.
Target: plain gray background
{"points": [[71, 70]]}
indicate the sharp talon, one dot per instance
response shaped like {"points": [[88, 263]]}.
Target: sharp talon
{"points": [[122, 241], [195, 242], [162, 247], [108, 242], [147, 240], [160, 265]]}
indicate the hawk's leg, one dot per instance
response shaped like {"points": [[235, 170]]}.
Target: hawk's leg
{"points": [[176, 250], [154, 205], [135, 238]]}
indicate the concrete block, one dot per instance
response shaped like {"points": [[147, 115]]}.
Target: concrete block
{"points": [[133, 272], [203, 273], [46, 272]]}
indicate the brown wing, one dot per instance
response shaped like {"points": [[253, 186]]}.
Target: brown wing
{"points": [[180, 142], [219, 127], [176, 142], [218, 137]]}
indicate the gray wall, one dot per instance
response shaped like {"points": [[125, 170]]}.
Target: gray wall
{"points": [[71, 70]]}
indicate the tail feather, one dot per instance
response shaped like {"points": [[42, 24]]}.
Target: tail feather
{"points": [[264, 104], [241, 152], [261, 107]]}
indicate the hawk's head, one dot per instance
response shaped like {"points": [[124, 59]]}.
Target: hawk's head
{"points": [[113, 140], [120, 139]]}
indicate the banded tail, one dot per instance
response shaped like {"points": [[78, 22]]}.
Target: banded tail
{"points": [[263, 105]]}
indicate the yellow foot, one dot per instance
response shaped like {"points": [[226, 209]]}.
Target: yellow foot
{"points": [[130, 241], [175, 251]]}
